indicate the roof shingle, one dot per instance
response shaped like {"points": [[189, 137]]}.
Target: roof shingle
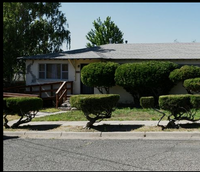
{"points": [[135, 51]]}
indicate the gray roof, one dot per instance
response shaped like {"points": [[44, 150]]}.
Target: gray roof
{"points": [[135, 51]]}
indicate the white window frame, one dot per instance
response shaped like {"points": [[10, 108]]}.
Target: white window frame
{"points": [[61, 71]]}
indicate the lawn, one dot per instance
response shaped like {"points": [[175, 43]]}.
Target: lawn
{"points": [[120, 114]]}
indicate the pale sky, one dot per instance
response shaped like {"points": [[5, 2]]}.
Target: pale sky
{"points": [[139, 22]]}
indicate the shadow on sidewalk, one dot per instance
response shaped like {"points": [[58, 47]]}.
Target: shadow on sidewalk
{"points": [[109, 128], [10, 137], [42, 127], [190, 125]]}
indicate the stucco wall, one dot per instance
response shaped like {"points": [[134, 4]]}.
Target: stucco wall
{"points": [[74, 75], [32, 69], [77, 79], [32, 72]]}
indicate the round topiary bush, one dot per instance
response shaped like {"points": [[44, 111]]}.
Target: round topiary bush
{"points": [[193, 84], [99, 75], [185, 72], [95, 106], [149, 78]]}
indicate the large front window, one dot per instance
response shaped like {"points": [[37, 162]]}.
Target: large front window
{"points": [[53, 71]]}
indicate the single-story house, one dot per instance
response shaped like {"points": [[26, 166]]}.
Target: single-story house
{"points": [[67, 65]]}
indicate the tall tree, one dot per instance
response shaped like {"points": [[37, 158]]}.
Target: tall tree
{"points": [[104, 33], [31, 28]]}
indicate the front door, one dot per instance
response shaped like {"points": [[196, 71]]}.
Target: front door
{"points": [[85, 89]]}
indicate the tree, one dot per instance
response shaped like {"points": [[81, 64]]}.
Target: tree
{"points": [[31, 28], [103, 33], [149, 78], [100, 75]]}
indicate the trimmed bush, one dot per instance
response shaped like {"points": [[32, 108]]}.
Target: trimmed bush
{"points": [[195, 101], [185, 72], [193, 85], [180, 106], [22, 106], [99, 75], [174, 103], [147, 102], [95, 106], [149, 78]]}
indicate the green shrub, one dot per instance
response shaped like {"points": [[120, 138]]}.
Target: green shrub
{"points": [[180, 106], [22, 106], [147, 102], [95, 106], [149, 78], [195, 101], [173, 103], [193, 84], [99, 75], [185, 72]]}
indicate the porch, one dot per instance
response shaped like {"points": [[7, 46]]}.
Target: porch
{"points": [[57, 92]]}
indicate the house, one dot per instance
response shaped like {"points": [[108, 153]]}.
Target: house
{"points": [[67, 65]]}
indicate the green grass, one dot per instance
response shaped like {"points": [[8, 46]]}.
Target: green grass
{"points": [[50, 110], [120, 114]]}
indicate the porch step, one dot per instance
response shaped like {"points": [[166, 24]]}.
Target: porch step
{"points": [[65, 106]]}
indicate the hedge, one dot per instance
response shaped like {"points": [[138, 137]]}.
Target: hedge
{"points": [[22, 106], [193, 84], [95, 106]]}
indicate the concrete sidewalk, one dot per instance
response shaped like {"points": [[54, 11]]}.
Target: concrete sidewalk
{"points": [[102, 135]]}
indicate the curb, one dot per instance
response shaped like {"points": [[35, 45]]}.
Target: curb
{"points": [[105, 135]]}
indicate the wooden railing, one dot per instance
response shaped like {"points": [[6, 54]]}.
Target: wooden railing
{"points": [[62, 92], [8, 94], [46, 90]]}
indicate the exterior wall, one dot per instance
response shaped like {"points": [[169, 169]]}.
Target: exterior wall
{"points": [[77, 74], [32, 72], [178, 89], [74, 75], [125, 97]]}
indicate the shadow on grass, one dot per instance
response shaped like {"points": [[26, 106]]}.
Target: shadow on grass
{"points": [[43, 127], [109, 128]]}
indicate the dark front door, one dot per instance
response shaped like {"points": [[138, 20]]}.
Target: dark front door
{"points": [[85, 89]]}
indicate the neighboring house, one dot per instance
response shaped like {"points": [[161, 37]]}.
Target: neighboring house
{"points": [[66, 66]]}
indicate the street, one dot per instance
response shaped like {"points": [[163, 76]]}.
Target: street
{"points": [[100, 155]]}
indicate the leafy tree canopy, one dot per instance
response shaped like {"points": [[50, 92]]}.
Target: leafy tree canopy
{"points": [[99, 75], [104, 33], [31, 28]]}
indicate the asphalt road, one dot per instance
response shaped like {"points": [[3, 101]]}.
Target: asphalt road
{"points": [[100, 155]]}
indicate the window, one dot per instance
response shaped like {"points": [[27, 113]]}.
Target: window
{"points": [[53, 71], [64, 71]]}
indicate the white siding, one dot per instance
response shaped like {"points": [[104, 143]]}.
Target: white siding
{"points": [[74, 75]]}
